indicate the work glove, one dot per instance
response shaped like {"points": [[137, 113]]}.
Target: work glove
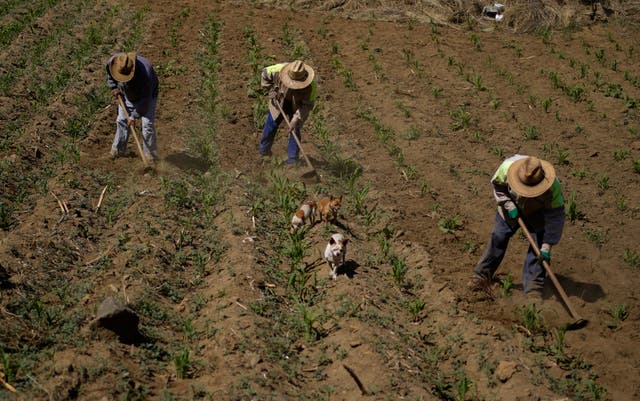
{"points": [[512, 210], [115, 92], [295, 121], [545, 253]]}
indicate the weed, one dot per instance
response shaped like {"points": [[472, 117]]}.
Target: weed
{"points": [[436, 92], [636, 166], [597, 236], [620, 155], [450, 225], [546, 104], [631, 257], [619, 314]]}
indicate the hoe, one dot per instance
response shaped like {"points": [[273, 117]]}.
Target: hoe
{"points": [[578, 322]]}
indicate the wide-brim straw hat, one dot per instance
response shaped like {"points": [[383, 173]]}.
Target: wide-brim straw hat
{"points": [[530, 177], [123, 67], [296, 75]]}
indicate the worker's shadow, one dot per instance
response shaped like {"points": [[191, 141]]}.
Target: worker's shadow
{"points": [[588, 292], [187, 162]]}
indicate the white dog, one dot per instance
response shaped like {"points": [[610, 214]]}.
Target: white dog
{"points": [[306, 212], [335, 253]]}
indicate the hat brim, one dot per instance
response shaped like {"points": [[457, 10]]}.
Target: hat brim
{"points": [[530, 191], [293, 84], [122, 77]]}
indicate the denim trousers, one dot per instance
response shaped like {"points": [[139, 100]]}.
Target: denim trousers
{"points": [[269, 134], [149, 144], [533, 273]]}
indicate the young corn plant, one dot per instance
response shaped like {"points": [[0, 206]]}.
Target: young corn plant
{"points": [[450, 225], [507, 285], [183, 364], [632, 258], [572, 208], [619, 314], [398, 269], [415, 309]]}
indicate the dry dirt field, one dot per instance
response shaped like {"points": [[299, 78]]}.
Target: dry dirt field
{"points": [[418, 104]]}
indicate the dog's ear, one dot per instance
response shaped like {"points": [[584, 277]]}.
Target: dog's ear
{"points": [[340, 198], [346, 241], [332, 241]]}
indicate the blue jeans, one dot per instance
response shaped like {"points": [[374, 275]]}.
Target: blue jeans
{"points": [[269, 134], [149, 145], [533, 273]]}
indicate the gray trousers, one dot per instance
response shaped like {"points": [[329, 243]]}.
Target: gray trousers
{"points": [[149, 145], [533, 273]]}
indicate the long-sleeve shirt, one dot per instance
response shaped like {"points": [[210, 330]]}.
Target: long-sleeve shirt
{"points": [[545, 212], [141, 89], [302, 100]]}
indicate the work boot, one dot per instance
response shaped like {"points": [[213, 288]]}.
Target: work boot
{"points": [[113, 154]]}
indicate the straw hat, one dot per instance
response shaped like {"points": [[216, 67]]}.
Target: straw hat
{"points": [[123, 67], [530, 177], [296, 75]]}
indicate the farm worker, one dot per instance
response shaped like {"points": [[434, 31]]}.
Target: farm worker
{"points": [[292, 86], [133, 76], [526, 187]]}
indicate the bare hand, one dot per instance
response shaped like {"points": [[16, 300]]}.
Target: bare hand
{"points": [[115, 93], [131, 122]]}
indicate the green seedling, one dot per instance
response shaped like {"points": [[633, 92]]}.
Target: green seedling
{"points": [[619, 314], [632, 258], [507, 285]]}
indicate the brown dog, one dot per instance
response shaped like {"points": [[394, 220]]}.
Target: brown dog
{"points": [[328, 208]]}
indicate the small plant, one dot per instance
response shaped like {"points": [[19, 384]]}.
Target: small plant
{"points": [[412, 133], [598, 237], [620, 155], [507, 285], [475, 39], [182, 364], [531, 133], [619, 314], [631, 257], [603, 184], [562, 157], [415, 308], [498, 151], [572, 208], [398, 269], [450, 225], [461, 119], [636, 166], [546, 104], [531, 318], [308, 319], [436, 92]]}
